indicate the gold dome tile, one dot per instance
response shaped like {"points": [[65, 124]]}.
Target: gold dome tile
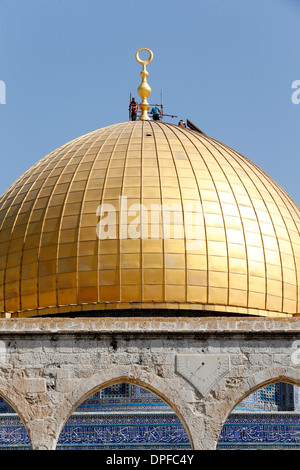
{"points": [[52, 262]]}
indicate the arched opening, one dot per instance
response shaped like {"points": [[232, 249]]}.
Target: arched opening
{"points": [[13, 434], [123, 416], [268, 418]]}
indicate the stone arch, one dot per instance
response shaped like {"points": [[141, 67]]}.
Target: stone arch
{"points": [[230, 391], [251, 384], [260, 379], [156, 385], [19, 406]]}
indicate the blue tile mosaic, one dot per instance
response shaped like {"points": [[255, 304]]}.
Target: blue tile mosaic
{"points": [[279, 396], [257, 431], [13, 434], [141, 431]]}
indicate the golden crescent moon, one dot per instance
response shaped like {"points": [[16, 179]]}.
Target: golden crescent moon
{"points": [[144, 62]]}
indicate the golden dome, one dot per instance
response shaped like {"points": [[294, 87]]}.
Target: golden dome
{"points": [[54, 262]]}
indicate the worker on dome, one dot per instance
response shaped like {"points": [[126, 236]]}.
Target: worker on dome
{"points": [[133, 109], [181, 123], [155, 111]]}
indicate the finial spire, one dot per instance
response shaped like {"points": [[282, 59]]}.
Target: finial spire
{"points": [[144, 89]]}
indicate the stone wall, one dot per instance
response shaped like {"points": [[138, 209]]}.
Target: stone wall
{"points": [[202, 367]]}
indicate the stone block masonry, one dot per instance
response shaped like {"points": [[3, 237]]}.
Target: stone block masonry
{"points": [[202, 367]]}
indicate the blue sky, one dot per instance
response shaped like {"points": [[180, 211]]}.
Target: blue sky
{"points": [[227, 65]]}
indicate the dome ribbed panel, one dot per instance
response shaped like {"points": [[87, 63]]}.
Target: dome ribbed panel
{"points": [[53, 262]]}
